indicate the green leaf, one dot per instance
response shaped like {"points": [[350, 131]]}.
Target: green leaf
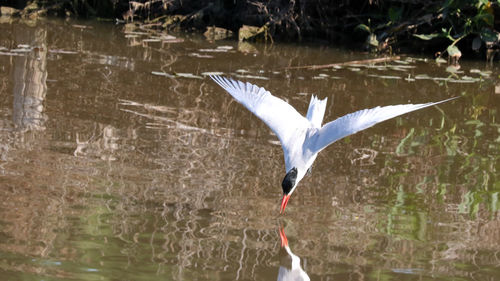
{"points": [[484, 17], [427, 36], [363, 27], [373, 40], [488, 35], [453, 51], [395, 14], [482, 2]]}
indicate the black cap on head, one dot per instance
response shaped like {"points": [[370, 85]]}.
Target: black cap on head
{"points": [[289, 180]]}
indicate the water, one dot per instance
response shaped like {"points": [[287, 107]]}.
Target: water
{"points": [[121, 160]]}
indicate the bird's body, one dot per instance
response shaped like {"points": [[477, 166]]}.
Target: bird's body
{"points": [[302, 138], [298, 153]]}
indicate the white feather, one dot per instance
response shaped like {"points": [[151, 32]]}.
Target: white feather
{"points": [[316, 111], [302, 138]]}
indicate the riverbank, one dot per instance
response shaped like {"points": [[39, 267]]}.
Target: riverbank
{"points": [[447, 29]]}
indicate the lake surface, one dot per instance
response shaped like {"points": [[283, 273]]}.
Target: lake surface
{"points": [[121, 160]]}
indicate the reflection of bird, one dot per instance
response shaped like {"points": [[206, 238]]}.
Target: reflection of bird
{"points": [[303, 138], [286, 271]]}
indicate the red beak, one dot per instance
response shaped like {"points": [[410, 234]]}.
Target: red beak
{"points": [[284, 201]]}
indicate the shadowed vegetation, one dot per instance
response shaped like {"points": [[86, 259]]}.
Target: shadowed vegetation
{"points": [[446, 28]]}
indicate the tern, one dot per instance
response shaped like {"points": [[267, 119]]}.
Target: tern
{"points": [[302, 138]]}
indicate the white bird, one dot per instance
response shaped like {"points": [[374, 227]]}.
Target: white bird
{"points": [[302, 138]]}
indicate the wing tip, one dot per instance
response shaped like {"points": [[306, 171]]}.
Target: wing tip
{"points": [[448, 99], [223, 81], [438, 102]]}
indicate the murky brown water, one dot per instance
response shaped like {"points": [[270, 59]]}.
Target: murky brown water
{"points": [[117, 164]]}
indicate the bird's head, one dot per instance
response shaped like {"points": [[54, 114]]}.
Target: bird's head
{"points": [[288, 185]]}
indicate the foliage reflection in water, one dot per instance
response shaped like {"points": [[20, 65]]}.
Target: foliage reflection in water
{"points": [[111, 171]]}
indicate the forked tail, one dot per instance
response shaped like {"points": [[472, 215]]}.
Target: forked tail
{"points": [[316, 111]]}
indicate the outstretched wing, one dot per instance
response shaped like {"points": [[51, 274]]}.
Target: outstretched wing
{"points": [[280, 116], [360, 120]]}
